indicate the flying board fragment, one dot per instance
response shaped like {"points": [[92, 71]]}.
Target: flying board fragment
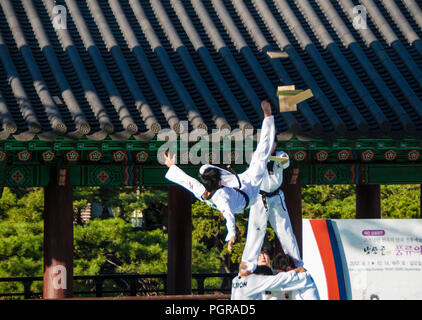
{"points": [[279, 159], [277, 54], [289, 97]]}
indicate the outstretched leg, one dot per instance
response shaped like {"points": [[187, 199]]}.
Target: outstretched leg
{"points": [[260, 157], [257, 227], [280, 222]]}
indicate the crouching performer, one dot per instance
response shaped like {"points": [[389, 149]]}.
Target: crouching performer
{"points": [[251, 285]]}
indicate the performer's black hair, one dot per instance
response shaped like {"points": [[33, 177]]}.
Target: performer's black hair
{"points": [[211, 179], [266, 251], [282, 262], [263, 270]]}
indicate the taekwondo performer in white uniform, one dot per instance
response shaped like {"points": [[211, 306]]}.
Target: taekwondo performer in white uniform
{"points": [[223, 190], [271, 206], [285, 263], [251, 286]]}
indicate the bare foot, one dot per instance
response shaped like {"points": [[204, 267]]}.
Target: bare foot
{"points": [[266, 107]]}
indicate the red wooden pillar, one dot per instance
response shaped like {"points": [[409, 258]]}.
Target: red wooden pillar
{"points": [[179, 268], [368, 201], [58, 236], [293, 199]]}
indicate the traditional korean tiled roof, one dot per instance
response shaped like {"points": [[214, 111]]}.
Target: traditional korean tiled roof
{"points": [[129, 68]]}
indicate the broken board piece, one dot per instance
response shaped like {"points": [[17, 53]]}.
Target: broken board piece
{"points": [[289, 98], [279, 159], [277, 54]]}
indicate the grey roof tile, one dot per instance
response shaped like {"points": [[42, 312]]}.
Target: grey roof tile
{"points": [[129, 68]]}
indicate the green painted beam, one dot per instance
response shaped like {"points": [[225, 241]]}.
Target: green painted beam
{"points": [[115, 163], [133, 145], [411, 174], [319, 174]]}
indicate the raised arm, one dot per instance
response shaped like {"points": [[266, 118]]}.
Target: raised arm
{"points": [[221, 203]]}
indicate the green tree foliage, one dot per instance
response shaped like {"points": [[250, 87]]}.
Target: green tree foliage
{"points": [[125, 200], [21, 236], [339, 201], [110, 245], [208, 240], [329, 202], [209, 248], [400, 201]]}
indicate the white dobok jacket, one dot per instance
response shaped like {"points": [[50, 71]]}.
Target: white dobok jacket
{"points": [[253, 286], [226, 200], [310, 292]]}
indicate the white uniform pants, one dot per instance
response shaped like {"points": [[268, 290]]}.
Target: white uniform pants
{"points": [[253, 176], [280, 222]]}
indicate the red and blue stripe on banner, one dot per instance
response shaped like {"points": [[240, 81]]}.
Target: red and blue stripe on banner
{"points": [[331, 258]]}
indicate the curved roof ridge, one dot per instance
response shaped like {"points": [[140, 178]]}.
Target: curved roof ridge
{"points": [[393, 40], [384, 58], [133, 44], [115, 98], [319, 61], [194, 116], [328, 42], [265, 47], [218, 115], [50, 108], [91, 95], [349, 41], [244, 49], [285, 45], [141, 103], [224, 51], [206, 58], [81, 123], [28, 113]]}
